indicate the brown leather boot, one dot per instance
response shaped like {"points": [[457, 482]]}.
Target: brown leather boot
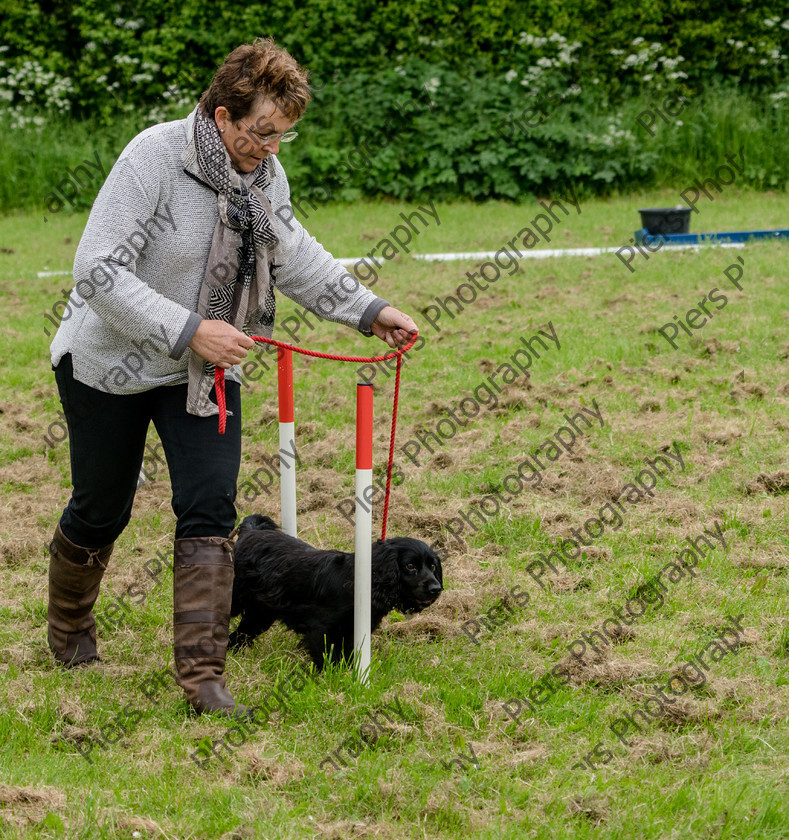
{"points": [[202, 592], [74, 577]]}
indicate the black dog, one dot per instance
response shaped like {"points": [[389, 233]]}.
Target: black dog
{"points": [[279, 577]]}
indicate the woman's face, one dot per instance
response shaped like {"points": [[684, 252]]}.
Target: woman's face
{"points": [[245, 138]]}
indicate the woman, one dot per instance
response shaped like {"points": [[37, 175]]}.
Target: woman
{"points": [[177, 265]]}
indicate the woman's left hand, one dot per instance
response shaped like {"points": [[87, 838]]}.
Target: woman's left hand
{"points": [[393, 327]]}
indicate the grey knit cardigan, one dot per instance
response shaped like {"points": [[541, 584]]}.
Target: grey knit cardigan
{"points": [[141, 261]]}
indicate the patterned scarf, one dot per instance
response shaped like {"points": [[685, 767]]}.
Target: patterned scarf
{"points": [[237, 286]]}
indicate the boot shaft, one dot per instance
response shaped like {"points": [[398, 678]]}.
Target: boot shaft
{"points": [[202, 592], [75, 575]]}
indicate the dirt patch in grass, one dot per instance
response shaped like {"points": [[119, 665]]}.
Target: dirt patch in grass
{"points": [[774, 483], [527, 756], [144, 826], [425, 627], [602, 669], [23, 806], [269, 771], [455, 605], [343, 829], [594, 808]]}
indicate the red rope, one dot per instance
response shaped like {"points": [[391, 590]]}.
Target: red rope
{"points": [[219, 385], [391, 447], [219, 382]]}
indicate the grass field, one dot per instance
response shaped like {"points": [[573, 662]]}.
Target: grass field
{"points": [[446, 759]]}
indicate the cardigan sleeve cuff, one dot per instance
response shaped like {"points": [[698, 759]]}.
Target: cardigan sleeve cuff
{"points": [[370, 314], [187, 334]]}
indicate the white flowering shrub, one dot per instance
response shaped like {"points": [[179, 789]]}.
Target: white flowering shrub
{"points": [[549, 58], [27, 89], [119, 66]]}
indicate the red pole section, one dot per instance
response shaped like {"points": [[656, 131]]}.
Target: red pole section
{"points": [[285, 383], [364, 426], [287, 440]]}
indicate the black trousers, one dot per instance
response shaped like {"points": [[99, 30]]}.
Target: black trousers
{"points": [[107, 441]]}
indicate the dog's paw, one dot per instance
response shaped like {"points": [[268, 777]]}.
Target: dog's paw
{"points": [[237, 641]]}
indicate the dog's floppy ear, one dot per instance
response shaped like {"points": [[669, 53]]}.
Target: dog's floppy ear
{"points": [[258, 522], [386, 576]]}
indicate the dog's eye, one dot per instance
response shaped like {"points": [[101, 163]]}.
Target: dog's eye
{"points": [[411, 567], [432, 567]]}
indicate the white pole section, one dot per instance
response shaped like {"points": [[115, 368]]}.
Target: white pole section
{"points": [[362, 579], [287, 440]]}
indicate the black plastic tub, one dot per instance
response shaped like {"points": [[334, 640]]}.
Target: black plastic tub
{"points": [[666, 220]]}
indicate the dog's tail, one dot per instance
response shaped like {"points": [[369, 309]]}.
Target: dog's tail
{"points": [[257, 522]]}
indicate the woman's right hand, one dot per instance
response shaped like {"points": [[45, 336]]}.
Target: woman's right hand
{"points": [[221, 343]]}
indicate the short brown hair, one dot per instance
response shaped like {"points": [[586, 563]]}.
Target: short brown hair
{"points": [[258, 69]]}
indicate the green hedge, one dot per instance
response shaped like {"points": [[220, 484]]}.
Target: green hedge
{"points": [[459, 143], [100, 53], [576, 73], [479, 137]]}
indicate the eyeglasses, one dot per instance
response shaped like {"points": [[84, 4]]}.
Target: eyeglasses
{"points": [[265, 139]]}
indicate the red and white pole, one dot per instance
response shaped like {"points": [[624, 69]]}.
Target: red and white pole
{"points": [[287, 440], [362, 580]]}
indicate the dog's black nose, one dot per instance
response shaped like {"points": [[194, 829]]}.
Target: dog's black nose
{"points": [[434, 588]]}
